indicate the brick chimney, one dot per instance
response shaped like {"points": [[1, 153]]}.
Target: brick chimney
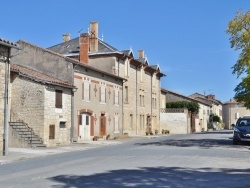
{"points": [[93, 39], [211, 97], [141, 54], [66, 37], [84, 48]]}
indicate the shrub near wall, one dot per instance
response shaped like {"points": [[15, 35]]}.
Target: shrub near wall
{"points": [[191, 106]]}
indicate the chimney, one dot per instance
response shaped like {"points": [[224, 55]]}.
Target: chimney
{"points": [[211, 97], [93, 40], [66, 37], [84, 48], [141, 54]]}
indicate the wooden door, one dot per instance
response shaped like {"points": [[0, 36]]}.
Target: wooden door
{"points": [[102, 125]]}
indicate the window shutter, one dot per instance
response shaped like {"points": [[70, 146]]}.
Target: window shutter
{"points": [[83, 91], [89, 91], [58, 99]]}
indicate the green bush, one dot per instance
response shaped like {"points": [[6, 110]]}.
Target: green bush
{"points": [[191, 106]]}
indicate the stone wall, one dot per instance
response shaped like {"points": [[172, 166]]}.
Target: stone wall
{"points": [[2, 85], [43, 61], [53, 116], [175, 122], [34, 104]]}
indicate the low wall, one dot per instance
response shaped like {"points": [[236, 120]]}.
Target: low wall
{"points": [[175, 120]]}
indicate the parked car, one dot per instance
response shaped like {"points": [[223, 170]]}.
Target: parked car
{"points": [[241, 130]]}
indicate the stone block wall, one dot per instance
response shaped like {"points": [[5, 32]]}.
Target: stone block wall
{"points": [[53, 116], [2, 85], [27, 103]]}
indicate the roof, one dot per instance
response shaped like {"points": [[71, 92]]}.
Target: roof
{"points": [[204, 98], [8, 43], [231, 101], [186, 97], [38, 77], [71, 48]]}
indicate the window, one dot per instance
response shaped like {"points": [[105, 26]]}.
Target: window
{"points": [[86, 91], [52, 132], [62, 124], [141, 100], [58, 100], [141, 121], [87, 120], [154, 102], [142, 72], [131, 121], [103, 94], [116, 97], [116, 123], [126, 68], [126, 94]]}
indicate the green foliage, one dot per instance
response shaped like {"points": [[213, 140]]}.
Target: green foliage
{"points": [[191, 106], [239, 31], [216, 118]]}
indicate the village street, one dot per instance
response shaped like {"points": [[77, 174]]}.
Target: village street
{"points": [[194, 160]]}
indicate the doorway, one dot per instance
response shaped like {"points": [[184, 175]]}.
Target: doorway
{"points": [[84, 131]]}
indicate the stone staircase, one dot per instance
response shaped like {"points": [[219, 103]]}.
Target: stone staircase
{"points": [[27, 134]]}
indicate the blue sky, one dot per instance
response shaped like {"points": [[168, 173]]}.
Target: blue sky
{"points": [[186, 38]]}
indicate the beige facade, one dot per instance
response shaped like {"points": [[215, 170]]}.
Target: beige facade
{"points": [[141, 91], [2, 84], [232, 111], [97, 104]]}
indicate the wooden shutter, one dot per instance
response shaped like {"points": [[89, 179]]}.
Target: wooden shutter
{"points": [[58, 99], [83, 91], [92, 126], [52, 132]]}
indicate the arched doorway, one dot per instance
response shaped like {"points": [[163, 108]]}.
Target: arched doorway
{"points": [[86, 124]]}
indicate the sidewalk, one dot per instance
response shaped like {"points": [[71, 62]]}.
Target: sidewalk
{"points": [[18, 154]]}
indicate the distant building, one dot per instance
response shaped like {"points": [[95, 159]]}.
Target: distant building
{"points": [[232, 110], [201, 119]]}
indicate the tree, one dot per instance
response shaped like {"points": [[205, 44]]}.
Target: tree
{"points": [[239, 29], [216, 118]]}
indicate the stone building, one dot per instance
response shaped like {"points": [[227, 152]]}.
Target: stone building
{"points": [[201, 119], [41, 97], [98, 100], [5, 49], [141, 91], [215, 103], [232, 111]]}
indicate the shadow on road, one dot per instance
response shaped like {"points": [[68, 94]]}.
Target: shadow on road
{"points": [[158, 177], [217, 132], [203, 143]]}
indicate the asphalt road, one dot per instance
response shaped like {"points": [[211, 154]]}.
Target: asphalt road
{"points": [[194, 160]]}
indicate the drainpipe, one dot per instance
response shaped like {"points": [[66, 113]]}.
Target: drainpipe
{"points": [[6, 106], [151, 99], [136, 102]]}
